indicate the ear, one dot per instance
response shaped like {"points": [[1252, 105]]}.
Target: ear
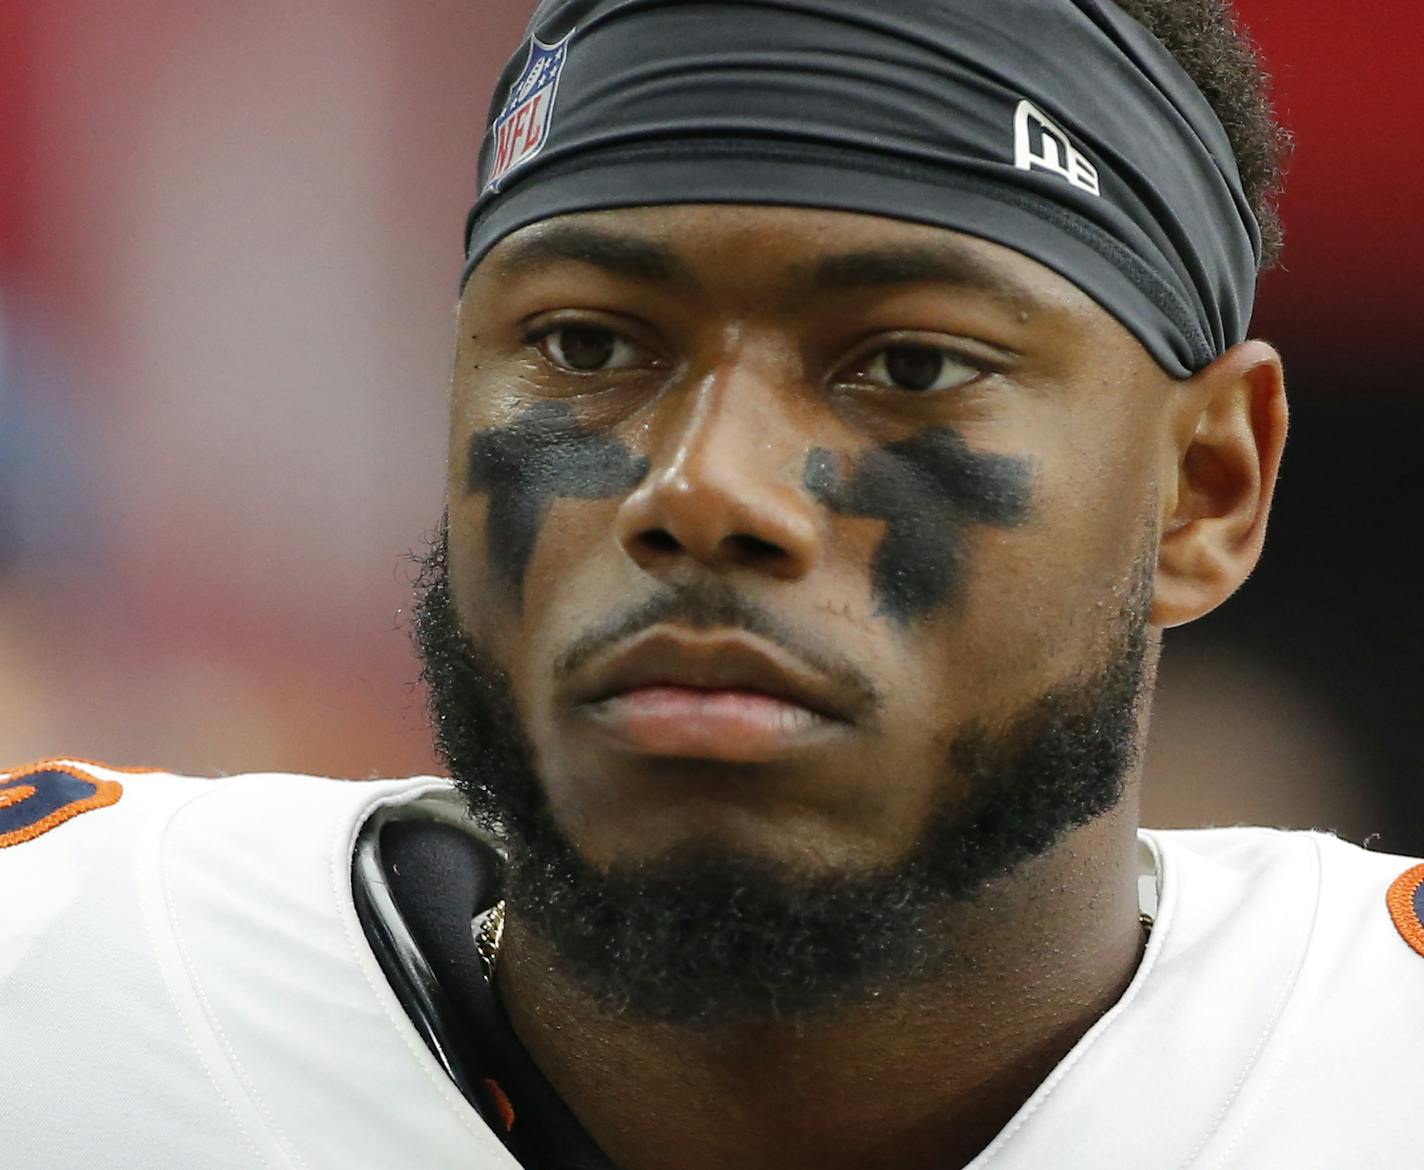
{"points": [[1221, 458]]}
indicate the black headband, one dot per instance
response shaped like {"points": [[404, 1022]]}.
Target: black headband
{"points": [[1059, 128]]}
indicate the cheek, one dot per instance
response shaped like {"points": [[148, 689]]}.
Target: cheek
{"points": [[568, 585], [490, 393], [931, 492], [470, 585], [575, 573], [524, 467], [1051, 595]]}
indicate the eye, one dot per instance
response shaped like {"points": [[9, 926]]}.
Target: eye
{"points": [[586, 349], [921, 368]]}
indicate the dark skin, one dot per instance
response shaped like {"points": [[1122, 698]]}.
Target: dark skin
{"points": [[943, 472]]}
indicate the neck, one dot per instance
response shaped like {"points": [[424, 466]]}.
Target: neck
{"points": [[925, 1080]]}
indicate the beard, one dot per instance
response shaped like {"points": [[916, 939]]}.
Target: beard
{"points": [[705, 936]]}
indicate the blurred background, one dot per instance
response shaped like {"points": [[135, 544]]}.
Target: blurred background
{"points": [[229, 249]]}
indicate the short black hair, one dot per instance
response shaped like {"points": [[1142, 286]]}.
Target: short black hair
{"points": [[1211, 44]]}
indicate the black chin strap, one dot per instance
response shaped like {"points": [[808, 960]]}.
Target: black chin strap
{"points": [[419, 883]]}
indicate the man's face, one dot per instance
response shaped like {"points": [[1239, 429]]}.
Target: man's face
{"points": [[903, 478]]}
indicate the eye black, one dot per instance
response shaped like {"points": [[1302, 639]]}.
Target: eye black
{"points": [[914, 367], [585, 347]]}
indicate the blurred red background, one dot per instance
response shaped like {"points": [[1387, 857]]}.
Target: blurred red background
{"points": [[229, 248]]}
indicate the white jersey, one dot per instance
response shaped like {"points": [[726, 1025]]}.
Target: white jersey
{"points": [[184, 984]]}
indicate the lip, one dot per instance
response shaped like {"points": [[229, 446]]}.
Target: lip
{"points": [[726, 697], [666, 658]]}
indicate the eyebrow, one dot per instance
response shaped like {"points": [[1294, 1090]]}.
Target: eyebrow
{"points": [[634, 257], [628, 256], [935, 263]]}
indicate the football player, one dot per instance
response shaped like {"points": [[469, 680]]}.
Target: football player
{"points": [[846, 399]]}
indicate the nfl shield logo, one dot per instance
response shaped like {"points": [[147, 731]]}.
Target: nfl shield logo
{"points": [[520, 132]]}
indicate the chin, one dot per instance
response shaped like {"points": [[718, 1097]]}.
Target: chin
{"points": [[796, 838]]}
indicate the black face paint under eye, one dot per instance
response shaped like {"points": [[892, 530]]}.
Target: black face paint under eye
{"points": [[928, 489], [525, 466]]}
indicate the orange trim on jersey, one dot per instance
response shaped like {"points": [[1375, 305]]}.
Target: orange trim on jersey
{"points": [[9, 796], [1401, 906], [106, 792], [501, 1102]]}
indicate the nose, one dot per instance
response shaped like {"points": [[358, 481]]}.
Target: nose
{"points": [[725, 485]]}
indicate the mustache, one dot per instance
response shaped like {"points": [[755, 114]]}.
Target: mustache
{"points": [[716, 605]]}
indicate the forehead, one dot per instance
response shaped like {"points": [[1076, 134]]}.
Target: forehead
{"points": [[803, 252]]}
